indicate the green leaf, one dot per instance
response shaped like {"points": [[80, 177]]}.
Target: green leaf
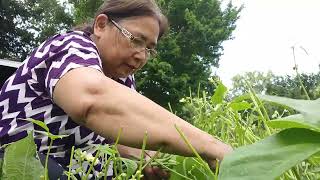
{"points": [[240, 106], [309, 109], [190, 168], [241, 98], [106, 149], [39, 123], [293, 121], [51, 136], [219, 94], [20, 161], [131, 166], [270, 157]]}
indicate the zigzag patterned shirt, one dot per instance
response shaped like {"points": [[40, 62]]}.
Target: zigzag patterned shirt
{"points": [[28, 94]]}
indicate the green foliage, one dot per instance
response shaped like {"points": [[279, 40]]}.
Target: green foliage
{"points": [[130, 165], [258, 80], [20, 161], [285, 86], [188, 51], [25, 24], [281, 151], [13, 40], [190, 167], [259, 149], [84, 10]]}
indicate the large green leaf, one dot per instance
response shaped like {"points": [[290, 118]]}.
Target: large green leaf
{"points": [[20, 161], [293, 121], [270, 157], [309, 109]]}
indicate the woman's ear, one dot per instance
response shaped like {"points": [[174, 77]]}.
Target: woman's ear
{"points": [[100, 24]]}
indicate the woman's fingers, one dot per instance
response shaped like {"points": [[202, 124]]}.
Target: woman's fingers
{"points": [[155, 173]]}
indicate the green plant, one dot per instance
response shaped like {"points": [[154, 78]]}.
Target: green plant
{"points": [[281, 148]]}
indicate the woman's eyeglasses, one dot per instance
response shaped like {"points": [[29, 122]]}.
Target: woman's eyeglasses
{"points": [[136, 42]]}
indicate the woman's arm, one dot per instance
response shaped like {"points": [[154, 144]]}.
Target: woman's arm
{"points": [[105, 106]]}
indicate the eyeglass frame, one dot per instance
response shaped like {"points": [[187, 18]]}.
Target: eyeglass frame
{"points": [[150, 53]]}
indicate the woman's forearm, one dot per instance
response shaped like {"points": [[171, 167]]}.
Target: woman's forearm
{"points": [[106, 106], [136, 115]]}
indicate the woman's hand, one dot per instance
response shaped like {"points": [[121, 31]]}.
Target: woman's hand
{"points": [[154, 172], [150, 172], [224, 150]]}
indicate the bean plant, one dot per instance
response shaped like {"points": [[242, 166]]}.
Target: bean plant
{"points": [[283, 146]]}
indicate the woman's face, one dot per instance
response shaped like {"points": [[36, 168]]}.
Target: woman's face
{"points": [[121, 56]]}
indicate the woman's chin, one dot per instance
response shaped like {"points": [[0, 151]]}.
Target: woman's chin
{"points": [[122, 74]]}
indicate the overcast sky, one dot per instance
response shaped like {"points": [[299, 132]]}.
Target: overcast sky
{"points": [[266, 31]]}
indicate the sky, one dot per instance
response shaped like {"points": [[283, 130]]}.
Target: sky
{"points": [[265, 34]]}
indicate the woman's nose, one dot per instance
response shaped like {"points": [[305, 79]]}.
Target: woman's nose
{"points": [[141, 56]]}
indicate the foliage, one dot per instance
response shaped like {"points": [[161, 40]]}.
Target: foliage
{"points": [[259, 146], [13, 40], [282, 150], [285, 86], [188, 51], [84, 10], [20, 161], [258, 80], [25, 24], [272, 156]]}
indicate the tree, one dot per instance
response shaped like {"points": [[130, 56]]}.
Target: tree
{"points": [[84, 10], [259, 81], [188, 52], [13, 40], [286, 86], [289, 86], [25, 24]]}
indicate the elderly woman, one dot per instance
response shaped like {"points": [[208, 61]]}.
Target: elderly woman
{"points": [[71, 83]]}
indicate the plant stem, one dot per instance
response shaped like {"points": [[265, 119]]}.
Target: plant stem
{"points": [[258, 103], [193, 150], [298, 74], [70, 164], [107, 167], [47, 158], [92, 164], [171, 170], [142, 153], [151, 158]]}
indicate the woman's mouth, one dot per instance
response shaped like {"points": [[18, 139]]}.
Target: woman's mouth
{"points": [[132, 67]]}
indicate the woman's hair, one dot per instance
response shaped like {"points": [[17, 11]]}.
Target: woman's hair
{"points": [[122, 9]]}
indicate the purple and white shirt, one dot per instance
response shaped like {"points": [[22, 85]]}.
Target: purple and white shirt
{"points": [[28, 94]]}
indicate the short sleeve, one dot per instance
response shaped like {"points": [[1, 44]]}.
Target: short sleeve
{"points": [[73, 53]]}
